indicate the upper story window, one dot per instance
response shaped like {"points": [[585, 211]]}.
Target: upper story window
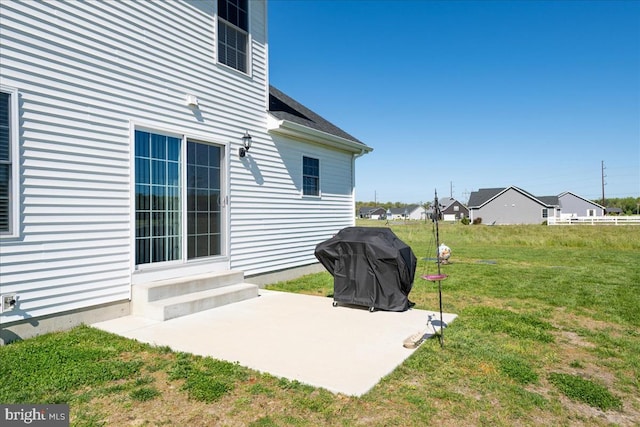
{"points": [[233, 33], [310, 176], [8, 163]]}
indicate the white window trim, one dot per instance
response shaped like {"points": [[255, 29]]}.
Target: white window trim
{"points": [[249, 71], [310, 196], [183, 261], [14, 190]]}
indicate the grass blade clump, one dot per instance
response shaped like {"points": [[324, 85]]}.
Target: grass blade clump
{"points": [[47, 368], [586, 391], [206, 379], [516, 325]]}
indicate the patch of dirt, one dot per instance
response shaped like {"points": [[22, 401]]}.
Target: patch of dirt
{"points": [[575, 356], [566, 319], [574, 339]]}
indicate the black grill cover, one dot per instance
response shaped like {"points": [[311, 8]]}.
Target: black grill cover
{"points": [[370, 267]]}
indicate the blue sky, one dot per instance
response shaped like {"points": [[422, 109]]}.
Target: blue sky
{"points": [[455, 96]]}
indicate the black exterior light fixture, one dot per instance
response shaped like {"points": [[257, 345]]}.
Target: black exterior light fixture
{"points": [[246, 144]]}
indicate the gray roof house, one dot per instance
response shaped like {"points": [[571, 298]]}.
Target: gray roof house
{"points": [[511, 205], [614, 211], [407, 212], [372, 212], [452, 209]]}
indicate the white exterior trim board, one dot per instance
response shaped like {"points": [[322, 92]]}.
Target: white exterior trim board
{"points": [[14, 148], [296, 131]]}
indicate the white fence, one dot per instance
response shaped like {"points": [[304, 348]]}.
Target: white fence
{"points": [[596, 220]]}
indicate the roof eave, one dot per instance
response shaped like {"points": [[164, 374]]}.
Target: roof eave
{"points": [[519, 190], [297, 131], [534, 198]]}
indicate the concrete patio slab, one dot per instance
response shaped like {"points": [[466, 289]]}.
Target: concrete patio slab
{"points": [[343, 349]]}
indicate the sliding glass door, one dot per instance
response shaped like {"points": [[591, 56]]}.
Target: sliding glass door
{"points": [[166, 229]]}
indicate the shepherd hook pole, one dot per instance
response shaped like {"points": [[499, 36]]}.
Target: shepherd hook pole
{"points": [[437, 217]]}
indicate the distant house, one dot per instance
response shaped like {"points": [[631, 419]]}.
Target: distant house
{"points": [[511, 205], [415, 212], [613, 211], [572, 205], [407, 212], [372, 212], [452, 209]]}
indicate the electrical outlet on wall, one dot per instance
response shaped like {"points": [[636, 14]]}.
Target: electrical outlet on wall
{"points": [[7, 302]]}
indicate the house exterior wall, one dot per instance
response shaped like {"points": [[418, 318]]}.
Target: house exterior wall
{"points": [[417, 213], [455, 211], [407, 213], [372, 213], [573, 205], [88, 74], [283, 229], [510, 207], [378, 214]]}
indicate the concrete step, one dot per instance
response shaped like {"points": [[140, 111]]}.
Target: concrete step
{"points": [[182, 305], [162, 289]]}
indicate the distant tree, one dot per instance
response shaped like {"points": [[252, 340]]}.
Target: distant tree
{"points": [[425, 206]]}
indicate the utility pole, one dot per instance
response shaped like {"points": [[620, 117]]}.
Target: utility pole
{"points": [[451, 189], [603, 176]]}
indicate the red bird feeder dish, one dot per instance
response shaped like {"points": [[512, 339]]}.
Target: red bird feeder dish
{"points": [[434, 277]]}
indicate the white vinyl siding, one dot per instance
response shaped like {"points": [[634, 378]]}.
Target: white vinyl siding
{"points": [[86, 72], [88, 75], [273, 228]]}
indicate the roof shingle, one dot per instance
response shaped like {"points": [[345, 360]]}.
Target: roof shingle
{"points": [[284, 107]]}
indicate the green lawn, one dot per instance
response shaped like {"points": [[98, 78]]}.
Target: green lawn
{"points": [[548, 333]]}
